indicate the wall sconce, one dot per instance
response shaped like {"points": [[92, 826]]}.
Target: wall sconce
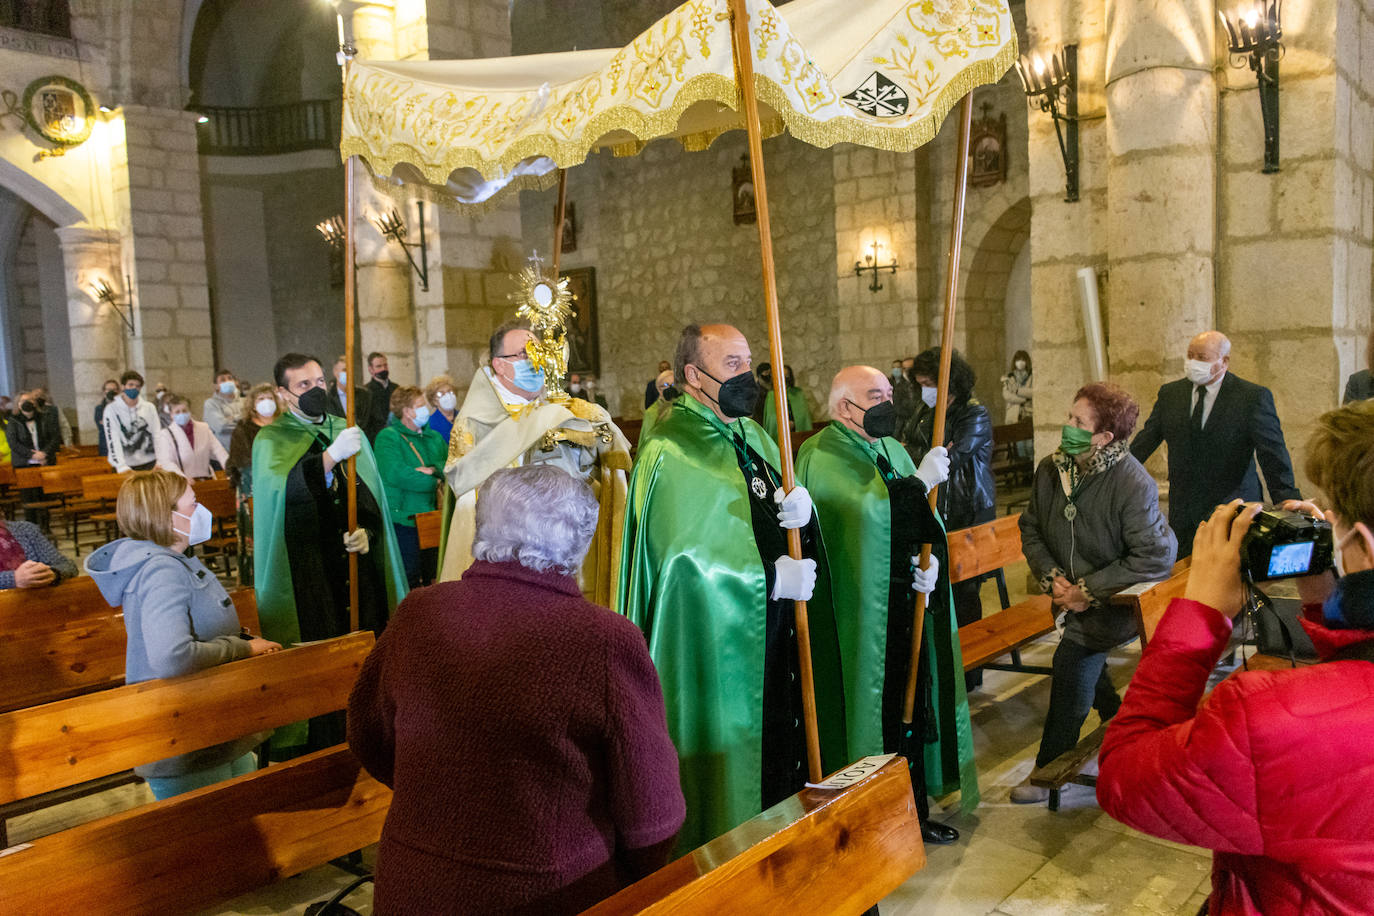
{"points": [[101, 291], [332, 231], [1052, 86], [1254, 35], [870, 264], [393, 229]]}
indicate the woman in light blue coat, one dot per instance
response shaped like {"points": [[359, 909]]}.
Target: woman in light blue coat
{"points": [[179, 618]]}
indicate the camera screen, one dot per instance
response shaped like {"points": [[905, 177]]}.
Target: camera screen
{"points": [[1290, 559]]}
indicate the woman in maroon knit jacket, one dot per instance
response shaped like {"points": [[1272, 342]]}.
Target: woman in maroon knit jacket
{"points": [[521, 727]]}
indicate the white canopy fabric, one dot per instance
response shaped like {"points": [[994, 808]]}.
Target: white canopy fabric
{"points": [[881, 73]]}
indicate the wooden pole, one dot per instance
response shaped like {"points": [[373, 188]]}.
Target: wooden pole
{"points": [[744, 73], [350, 298], [956, 243], [560, 213]]}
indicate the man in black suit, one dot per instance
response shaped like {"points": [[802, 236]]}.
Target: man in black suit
{"points": [[379, 392], [1216, 425], [361, 399], [34, 438]]}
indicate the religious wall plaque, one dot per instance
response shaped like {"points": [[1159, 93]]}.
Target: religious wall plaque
{"points": [[743, 193], [584, 350], [60, 111], [988, 150]]}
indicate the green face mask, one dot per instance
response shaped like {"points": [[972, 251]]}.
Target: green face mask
{"points": [[1075, 441]]}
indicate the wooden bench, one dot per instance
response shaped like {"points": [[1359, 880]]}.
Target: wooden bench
{"points": [[1009, 466], [428, 528], [66, 481], [207, 846], [984, 550], [817, 852], [1147, 601]]}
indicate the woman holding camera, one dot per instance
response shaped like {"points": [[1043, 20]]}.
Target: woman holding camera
{"points": [[1273, 771], [1093, 527]]}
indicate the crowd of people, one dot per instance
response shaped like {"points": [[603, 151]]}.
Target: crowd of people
{"points": [[678, 715]]}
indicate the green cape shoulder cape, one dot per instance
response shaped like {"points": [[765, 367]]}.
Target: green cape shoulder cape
{"points": [[276, 449], [692, 580], [837, 467], [796, 409]]}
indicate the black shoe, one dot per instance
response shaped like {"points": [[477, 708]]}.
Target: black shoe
{"points": [[938, 834]]}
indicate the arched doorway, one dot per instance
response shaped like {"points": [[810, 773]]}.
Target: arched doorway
{"points": [[996, 304]]}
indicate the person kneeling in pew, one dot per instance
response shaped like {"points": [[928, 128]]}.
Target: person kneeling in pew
{"points": [[521, 727], [178, 617], [1093, 527], [1272, 771]]}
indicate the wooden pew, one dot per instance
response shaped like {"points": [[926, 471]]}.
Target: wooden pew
{"points": [[428, 528], [1147, 602], [984, 550], [817, 852], [65, 641], [1009, 466], [206, 846]]}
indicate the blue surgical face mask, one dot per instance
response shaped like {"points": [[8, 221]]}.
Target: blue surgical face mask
{"points": [[929, 395], [421, 416], [181, 419], [227, 387], [131, 393], [526, 377]]}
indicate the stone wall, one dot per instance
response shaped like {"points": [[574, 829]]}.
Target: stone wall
{"points": [[32, 368], [659, 229]]}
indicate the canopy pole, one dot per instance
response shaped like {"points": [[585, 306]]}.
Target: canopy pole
{"points": [[956, 243], [744, 73], [560, 213], [350, 299]]}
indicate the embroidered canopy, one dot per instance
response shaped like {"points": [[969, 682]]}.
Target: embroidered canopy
{"points": [[881, 73]]}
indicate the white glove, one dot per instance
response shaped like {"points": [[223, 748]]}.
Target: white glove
{"points": [[934, 469], [346, 444], [795, 506], [356, 541], [923, 580], [795, 579]]}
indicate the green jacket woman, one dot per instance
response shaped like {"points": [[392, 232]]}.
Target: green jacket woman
{"points": [[410, 457]]}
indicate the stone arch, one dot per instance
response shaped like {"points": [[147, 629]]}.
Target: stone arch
{"points": [[38, 195], [985, 282]]}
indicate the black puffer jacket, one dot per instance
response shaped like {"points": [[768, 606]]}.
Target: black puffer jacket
{"points": [[968, 433]]}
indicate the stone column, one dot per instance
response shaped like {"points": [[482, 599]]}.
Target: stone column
{"points": [[1161, 100], [1064, 236], [98, 333]]}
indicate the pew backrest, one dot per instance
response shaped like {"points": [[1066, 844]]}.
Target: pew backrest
{"points": [[1149, 600], [427, 528], [50, 747], [984, 548]]}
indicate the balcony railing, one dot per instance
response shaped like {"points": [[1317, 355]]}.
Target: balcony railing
{"points": [[270, 130], [46, 17]]}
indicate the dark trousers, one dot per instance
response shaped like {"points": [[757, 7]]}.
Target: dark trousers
{"points": [[408, 540], [1079, 683]]}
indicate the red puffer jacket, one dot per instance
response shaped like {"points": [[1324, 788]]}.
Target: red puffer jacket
{"points": [[1274, 772]]}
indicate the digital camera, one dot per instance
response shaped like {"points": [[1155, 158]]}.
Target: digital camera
{"points": [[1282, 544]]}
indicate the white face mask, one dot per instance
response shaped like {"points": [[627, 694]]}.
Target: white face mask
{"points": [[181, 419], [266, 408], [448, 400], [929, 395], [343, 379], [1198, 372], [227, 387], [1021, 364], [200, 521]]}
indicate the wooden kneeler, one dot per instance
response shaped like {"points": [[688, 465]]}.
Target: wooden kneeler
{"points": [[820, 851]]}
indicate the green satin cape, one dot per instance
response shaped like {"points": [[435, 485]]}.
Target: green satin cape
{"points": [[692, 580], [837, 466], [796, 409], [276, 449]]}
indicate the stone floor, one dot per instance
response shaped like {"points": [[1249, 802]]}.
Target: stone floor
{"points": [[1011, 860]]}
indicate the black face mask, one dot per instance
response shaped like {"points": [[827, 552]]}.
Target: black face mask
{"points": [[383, 375], [42, 402], [880, 420], [110, 396], [26, 407], [738, 395], [670, 393], [314, 403]]}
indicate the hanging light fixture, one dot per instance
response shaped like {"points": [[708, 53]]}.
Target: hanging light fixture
{"points": [[1052, 86], [1254, 37]]}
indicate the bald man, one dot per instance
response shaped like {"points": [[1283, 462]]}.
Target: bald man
{"points": [[706, 575], [1217, 426], [871, 503]]}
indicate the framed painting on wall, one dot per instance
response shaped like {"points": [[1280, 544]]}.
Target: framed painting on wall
{"points": [[584, 348]]}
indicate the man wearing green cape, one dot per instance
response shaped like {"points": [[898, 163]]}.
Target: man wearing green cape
{"points": [[871, 502], [705, 574], [301, 539], [797, 409]]}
